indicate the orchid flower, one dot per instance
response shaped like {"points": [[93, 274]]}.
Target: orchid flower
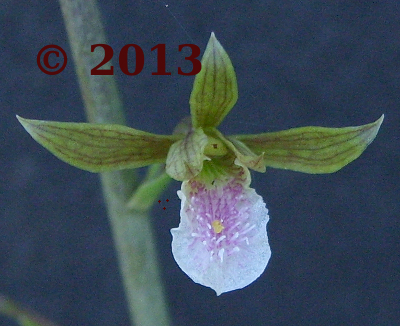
{"points": [[221, 241]]}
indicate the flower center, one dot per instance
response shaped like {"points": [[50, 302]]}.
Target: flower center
{"points": [[215, 147], [217, 226], [222, 221]]}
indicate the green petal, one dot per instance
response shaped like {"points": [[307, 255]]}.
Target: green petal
{"points": [[312, 149], [244, 154], [99, 147], [186, 156], [215, 88]]}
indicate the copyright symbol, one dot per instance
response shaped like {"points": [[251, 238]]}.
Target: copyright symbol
{"points": [[47, 69]]}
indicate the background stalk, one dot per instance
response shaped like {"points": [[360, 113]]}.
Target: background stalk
{"points": [[131, 228]]}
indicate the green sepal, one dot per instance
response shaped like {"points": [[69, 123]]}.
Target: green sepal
{"points": [[99, 147], [311, 149], [215, 88], [148, 192], [185, 157]]}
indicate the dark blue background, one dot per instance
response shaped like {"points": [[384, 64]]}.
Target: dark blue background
{"points": [[334, 238]]}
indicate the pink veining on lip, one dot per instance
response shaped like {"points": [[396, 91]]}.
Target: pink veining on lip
{"points": [[221, 241], [222, 222]]}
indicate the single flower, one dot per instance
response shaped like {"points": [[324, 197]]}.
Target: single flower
{"points": [[221, 241]]}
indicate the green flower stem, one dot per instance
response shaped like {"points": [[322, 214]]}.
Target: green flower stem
{"points": [[131, 228]]}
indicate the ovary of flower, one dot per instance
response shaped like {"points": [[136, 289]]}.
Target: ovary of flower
{"points": [[221, 241]]}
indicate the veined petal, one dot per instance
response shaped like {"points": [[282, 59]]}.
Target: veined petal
{"points": [[221, 241], [311, 149], [243, 153], [99, 147], [215, 88], [185, 157]]}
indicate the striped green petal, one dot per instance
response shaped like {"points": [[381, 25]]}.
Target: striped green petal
{"points": [[311, 149], [215, 88], [99, 147], [244, 154], [186, 156]]}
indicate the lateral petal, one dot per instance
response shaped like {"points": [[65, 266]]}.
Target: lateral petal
{"points": [[185, 157]]}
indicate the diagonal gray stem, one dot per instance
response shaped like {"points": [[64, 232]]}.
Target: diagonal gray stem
{"points": [[132, 229]]}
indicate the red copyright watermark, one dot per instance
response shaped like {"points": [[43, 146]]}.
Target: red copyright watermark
{"points": [[48, 68], [52, 60]]}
